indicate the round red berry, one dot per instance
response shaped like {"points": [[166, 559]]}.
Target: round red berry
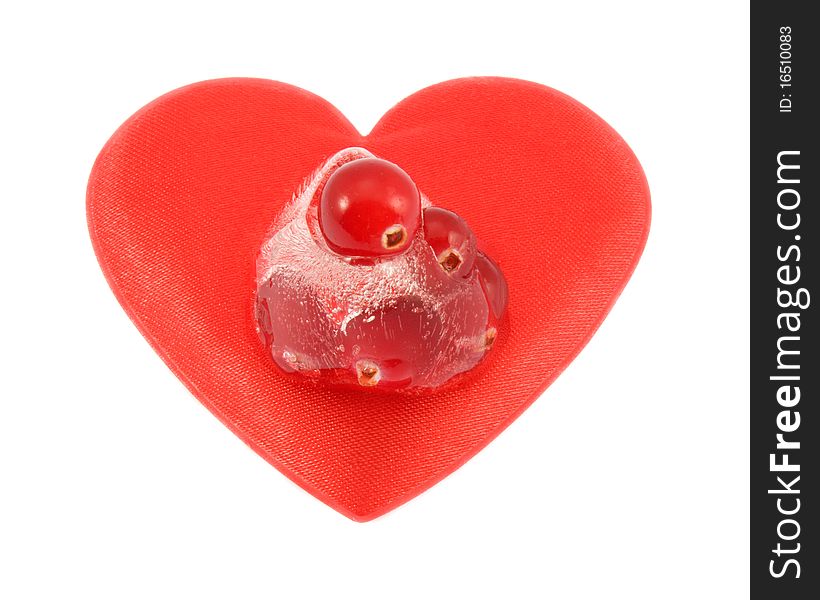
{"points": [[391, 346], [495, 286], [451, 239], [369, 207]]}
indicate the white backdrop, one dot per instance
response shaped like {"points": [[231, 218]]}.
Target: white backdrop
{"points": [[639, 449]]}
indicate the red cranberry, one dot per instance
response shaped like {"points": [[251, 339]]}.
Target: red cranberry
{"points": [[495, 286], [451, 239], [369, 207], [392, 346]]}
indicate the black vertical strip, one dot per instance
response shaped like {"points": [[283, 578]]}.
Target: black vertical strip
{"points": [[785, 227]]}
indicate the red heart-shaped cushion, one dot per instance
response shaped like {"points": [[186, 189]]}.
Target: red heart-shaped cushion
{"points": [[181, 197]]}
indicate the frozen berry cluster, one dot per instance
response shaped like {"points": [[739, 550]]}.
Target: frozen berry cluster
{"points": [[363, 282]]}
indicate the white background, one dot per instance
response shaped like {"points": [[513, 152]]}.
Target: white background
{"points": [[627, 479]]}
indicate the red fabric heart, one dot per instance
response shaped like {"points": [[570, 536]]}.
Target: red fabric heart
{"points": [[181, 198]]}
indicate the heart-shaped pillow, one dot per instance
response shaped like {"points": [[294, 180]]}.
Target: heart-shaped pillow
{"points": [[181, 197]]}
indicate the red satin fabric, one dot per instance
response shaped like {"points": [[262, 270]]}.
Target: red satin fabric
{"points": [[181, 198]]}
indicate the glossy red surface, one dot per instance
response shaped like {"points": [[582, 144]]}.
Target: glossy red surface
{"points": [[451, 239], [494, 283], [369, 207]]}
